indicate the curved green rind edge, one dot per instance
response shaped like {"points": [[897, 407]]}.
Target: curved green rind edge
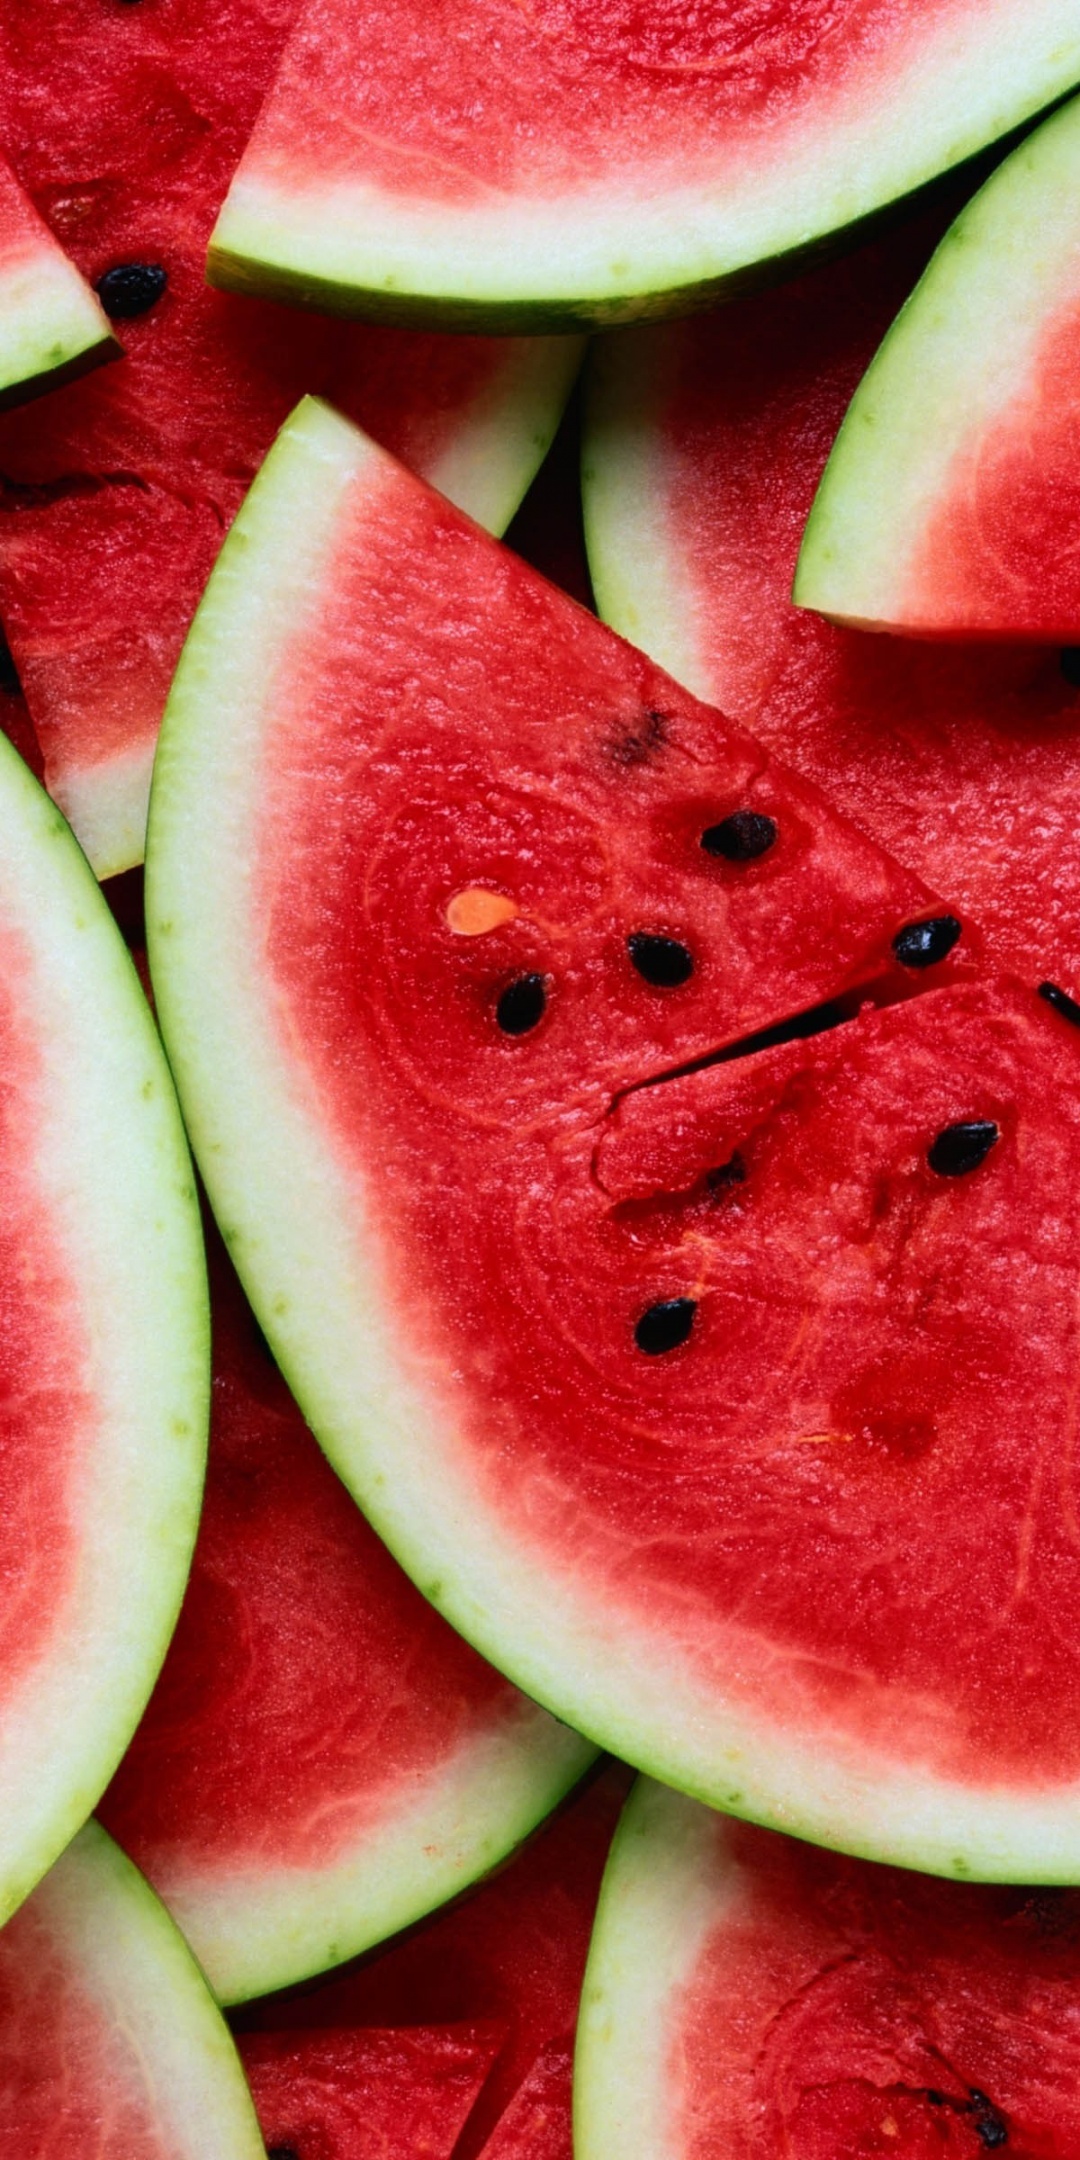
{"points": [[912, 407], [129, 1951], [97, 947], [711, 1752], [51, 331]]}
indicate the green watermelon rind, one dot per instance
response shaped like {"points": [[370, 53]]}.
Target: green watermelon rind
{"points": [[114, 1169], [955, 356], [52, 328], [298, 1242], [116, 1937], [526, 264]]}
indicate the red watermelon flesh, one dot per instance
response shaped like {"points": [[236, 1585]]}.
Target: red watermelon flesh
{"points": [[125, 123], [537, 2124], [323, 1759], [706, 445], [366, 2095], [511, 1954]]}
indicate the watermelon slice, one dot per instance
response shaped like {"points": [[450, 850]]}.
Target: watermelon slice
{"points": [[125, 125], [950, 499], [365, 2095], [323, 1759], [110, 2040], [746, 1994], [704, 445], [458, 875], [497, 167], [537, 2124], [51, 324], [102, 1345]]}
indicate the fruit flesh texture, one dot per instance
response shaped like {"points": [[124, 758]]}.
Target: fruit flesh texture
{"points": [[511, 1955], [311, 1705], [366, 2095], [124, 124], [962, 761], [537, 2125]]}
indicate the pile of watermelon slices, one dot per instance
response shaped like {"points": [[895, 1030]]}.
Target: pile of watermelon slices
{"points": [[540, 1340]]}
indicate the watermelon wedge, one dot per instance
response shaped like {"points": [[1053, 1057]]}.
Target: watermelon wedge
{"points": [[704, 444], [747, 1994], [125, 124], [102, 1346], [110, 2040], [502, 168], [537, 2124], [323, 1760], [589, 1308], [950, 499], [51, 325], [366, 2095]]}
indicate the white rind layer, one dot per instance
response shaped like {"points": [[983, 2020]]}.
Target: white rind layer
{"points": [[112, 1170], [162, 2033], [51, 324], [295, 1215], [634, 243], [961, 351]]}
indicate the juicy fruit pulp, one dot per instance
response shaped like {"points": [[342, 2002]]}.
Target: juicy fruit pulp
{"points": [[499, 168], [322, 1760], [51, 326], [747, 1996], [704, 447], [362, 2094], [125, 123], [625, 1534]]}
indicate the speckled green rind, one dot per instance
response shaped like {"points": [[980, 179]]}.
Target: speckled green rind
{"points": [[112, 1167]]}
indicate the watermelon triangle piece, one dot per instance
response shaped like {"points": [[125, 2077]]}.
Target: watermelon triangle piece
{"points": [[361, 2094], [746, 1993], [110, 2039], [323, 1761], [52, 326], [949, 501], [490, 168], [537, 2123], [704, 445]]}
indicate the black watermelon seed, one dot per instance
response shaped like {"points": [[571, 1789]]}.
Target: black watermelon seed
{"points": [[962, 1147], [1061, 1002], [923, 944], [988, 2122], [521, 1006], [1070, 665], [9, 673], [661, 960], [131, 289], [665, 1326], [742, 837]]}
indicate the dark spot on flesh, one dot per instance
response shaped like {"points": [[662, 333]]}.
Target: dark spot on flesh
{"points": [[521, 1006], [661, 961], [1049, 1911], [923, 944], [664, 1326], [9, 673], [960, 1148], [742, 837], [1061, 1002], [730, 1173], [1070, 665], [282, 2152], [987, 2121], [130, 289], [636, 743]]}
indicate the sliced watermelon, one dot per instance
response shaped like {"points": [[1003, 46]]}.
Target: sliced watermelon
{"points": [[102, 1345], [951, 497], [110, 2040], [746, 1994], [704, 445], [497, 167], [537, 2124], [323, 1759], [125, 125], [458, 874], [51, 324], [366, 2095]]}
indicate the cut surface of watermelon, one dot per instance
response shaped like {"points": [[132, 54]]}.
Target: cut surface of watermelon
{"points": [[589, 1349], [704, 444], [950, 499], [103, 1342], [51, 325], [323, 1759], [125, 125], [748, 1996], [537, 2124], [366, 2095], [500, 169], [110, 2039]]}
